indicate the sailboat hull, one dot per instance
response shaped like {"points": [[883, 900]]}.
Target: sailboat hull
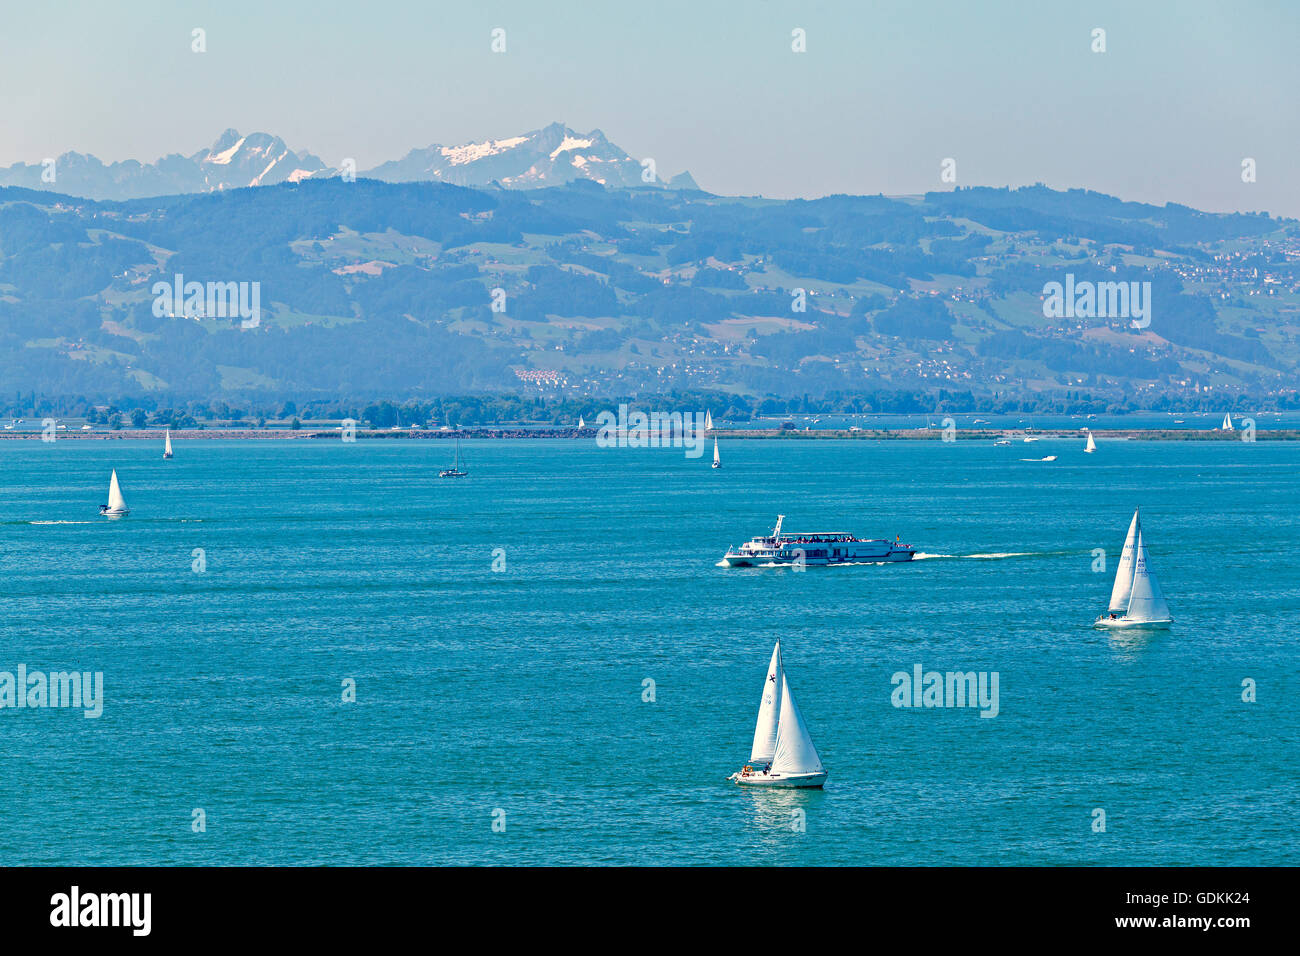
{"points": [[1123, 623], [114, 513], [792, 780]]}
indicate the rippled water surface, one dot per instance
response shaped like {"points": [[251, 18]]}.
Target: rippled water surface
{"points": [[522, 689]]}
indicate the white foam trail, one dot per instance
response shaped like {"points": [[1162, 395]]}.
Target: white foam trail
{"points": [[1003, 554], [60, 522], [921, 556]]}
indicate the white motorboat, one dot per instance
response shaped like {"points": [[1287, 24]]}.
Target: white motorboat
{"points": [[807, 548]]}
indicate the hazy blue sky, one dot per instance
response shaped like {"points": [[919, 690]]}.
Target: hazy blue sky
{"points": [[885, 91]]}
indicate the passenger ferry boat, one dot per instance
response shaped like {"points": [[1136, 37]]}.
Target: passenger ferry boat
{"points": [[814, 547]]}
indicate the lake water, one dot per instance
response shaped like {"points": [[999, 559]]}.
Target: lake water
{"points": [[521, 689]]}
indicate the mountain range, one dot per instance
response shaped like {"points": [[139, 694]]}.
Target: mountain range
{"points": [[550, 156]]}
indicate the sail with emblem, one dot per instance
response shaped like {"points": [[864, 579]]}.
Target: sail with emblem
{"points": [[769, 712]]}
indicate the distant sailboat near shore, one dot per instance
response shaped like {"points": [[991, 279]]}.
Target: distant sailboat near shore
{"points": [[708, 421], [782, 745], [167, 445], [116, 506], [717, 461], [455, 470], [1135, 599], [581, 423], [1227, 423], [1091, 446]]}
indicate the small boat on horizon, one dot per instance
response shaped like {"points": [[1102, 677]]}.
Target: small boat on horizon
{"points": [[1091, 446], [1227, 423], [455, 470], [717, 462], [1135, 599], [167, 446], [116, 506], [782, 744]]}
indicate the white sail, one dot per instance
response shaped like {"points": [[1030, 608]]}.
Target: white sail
{"points": [[1227, 423], [716, 459], [769, 710], [795, 753], [1123, 588], [1147, 602], [115, 500], [1092, 445], [581, 423], [167, 448], [708, 421]]}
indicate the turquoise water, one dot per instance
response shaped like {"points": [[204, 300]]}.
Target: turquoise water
{"points": [[521, 689]]}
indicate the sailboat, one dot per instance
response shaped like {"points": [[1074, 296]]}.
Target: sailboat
{"points": [[781, 742], [581, 423], [116, 503], [717, 461], [1091, 446], [1136, 599], [1227, 423], [167, 447], [454, 471], [708, 421]]}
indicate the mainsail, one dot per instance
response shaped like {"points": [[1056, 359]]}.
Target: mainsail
{"points": [[1227, 423], [795, 753], [1092, 445], [769, 710], [716, 459], [1147, 601], [167, 448], [1119, 594], [708, 421], [115, 500], [581, 423]]}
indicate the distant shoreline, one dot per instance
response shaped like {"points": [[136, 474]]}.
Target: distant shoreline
{"points": [[756, 434]]}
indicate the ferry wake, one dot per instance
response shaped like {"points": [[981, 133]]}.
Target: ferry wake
{"points": [[814, 547]]}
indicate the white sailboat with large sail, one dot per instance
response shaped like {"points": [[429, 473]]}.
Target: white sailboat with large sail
{"points": [[708, 421], [581, 423], [717, 461], [1091, 446], [116, 506], [1135, 599], [1227, 423], [167, 445], [782, 745]]}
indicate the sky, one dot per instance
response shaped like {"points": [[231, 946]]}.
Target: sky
{"points": [[1011, 90]]}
